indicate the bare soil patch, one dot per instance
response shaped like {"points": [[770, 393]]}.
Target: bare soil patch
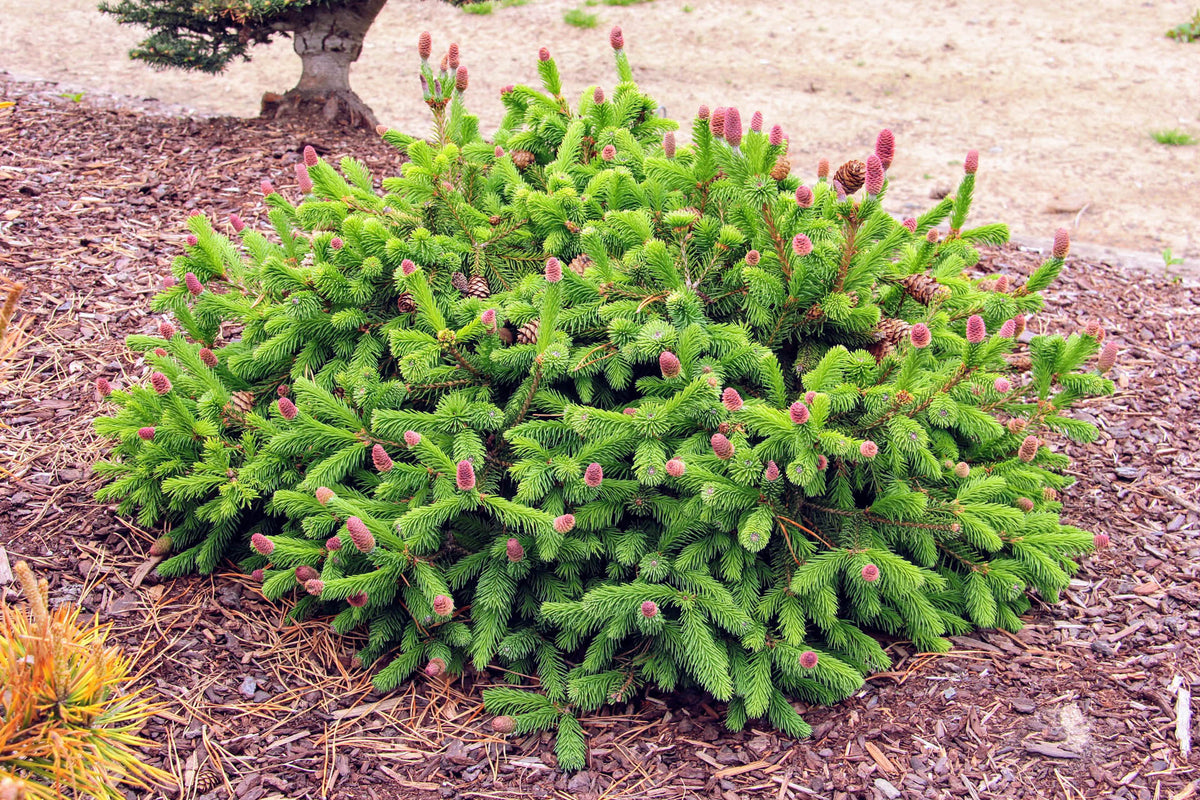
{"points": [[1059, 98], [1080, 704]]}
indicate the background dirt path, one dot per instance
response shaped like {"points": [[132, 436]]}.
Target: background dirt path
{"points": [[1058, 98]]}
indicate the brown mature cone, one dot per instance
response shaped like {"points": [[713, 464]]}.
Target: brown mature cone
{"points": [[523, 158], [887, 334], [782, 168], [206, 782], [814, 313], [923, 288], [405, 303], [477, 287], [580, 262], [851, 175], [459, 281], [528, 332], [241, 404]]}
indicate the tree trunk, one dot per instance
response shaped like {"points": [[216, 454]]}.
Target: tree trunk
{"points": [[328, 40]]}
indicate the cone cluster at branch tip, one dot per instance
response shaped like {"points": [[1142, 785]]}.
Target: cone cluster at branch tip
{"points": [[160, 383], [1025, 504], [452, 56], [1108, 357], [669, 144], [868, 449], [804, 197], [668, 364], [302, 178], [756, 122], [266, 187], [1029, 447], [733, 126], [504, 724], [920, 335], [554, 271], [721, 446], [1002, 385], [716, 123], [798, 412], [971, 164], [731, 399], [208, 357], [236, 223], [412, 438], [146, 433], [608, 153], [962, 469], [358, 600], [801, 244], [564, 523], [380, 458], [103, 387], [514, 551], [772, 473], [305, 573], [676, 467], [870, 573], [314, 586], [616, 38], [649, 609], [1100, 541], [262, 544], [1062, 243], [598, 96], [543, 54], [703, 113], [808, 659], [911, 224], [874, 182], [435, 667], [336, 243], [823, 169], [443, 605], [462, 79], [287, 409], [775, 137], [425, 45], [166, 330], [885, 147], [192, 240]]}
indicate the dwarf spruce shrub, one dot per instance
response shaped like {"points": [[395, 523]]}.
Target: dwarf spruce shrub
{"points": [[590, 404]]}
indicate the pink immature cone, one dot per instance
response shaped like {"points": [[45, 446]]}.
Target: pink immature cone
{"points": [[931, 236], [1002, 385], [756, 122], [103, 387], [554, 270], [412, 438], [166, 330], [649, 609], [772, 473], [1093, 329], [716, 123], [158, 351], [310, 156], [868, 449], [798, 412], [804, 197], [407, 266], [753, 257], [543, 54], [598, 96], [358, 600], [1018, 325], [823, 169], [703, 112], [314, 586], [1108, 357], [498, 152], [564, 523], [870, 573], [910, 224], [721, 446], [514, 550], [169, 282], [333, 543], [874, 182], [302, 179], [920, 336], [669, 144], [443, 605], [1003, 284], [382, 461], [453, 56], [668, 364], [462, 79], [885, 147], [1025, 504], [305, 573], [146, 434], [608, 153], [976, 329], [801, 245], [733, 127], [360, 536], [676, 467], [435, 667], [488, 318], [809, 397], [1062, 243], [266, 187], [256, 575], [506, 90], [822, 463], [282, 390], [1100, 541], [193, 283], [464, 476], [1009, 329], [192, 240], [424, 45], [262, 545], [324, 494], [808, 659], [336, 243], [236, 222], [287, 409], [775, 137], [160, 383], [593, 476], [962, 469], [971, 164], [1028, 449], [731, 399], [207, 357], [615, 38]]}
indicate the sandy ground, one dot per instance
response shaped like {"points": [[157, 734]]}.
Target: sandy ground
{"points": [[1059, 98]]}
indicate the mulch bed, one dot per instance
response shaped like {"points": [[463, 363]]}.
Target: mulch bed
{"points": [[1082, 703]]}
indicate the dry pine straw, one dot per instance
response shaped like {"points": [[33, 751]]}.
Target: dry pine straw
{"points": [[1082, 703]]}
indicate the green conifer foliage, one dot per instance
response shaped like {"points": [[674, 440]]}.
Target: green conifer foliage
{"points": [[586, 405]]}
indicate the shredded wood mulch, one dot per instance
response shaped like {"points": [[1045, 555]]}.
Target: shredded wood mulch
{"points": [[1091, 699]]}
